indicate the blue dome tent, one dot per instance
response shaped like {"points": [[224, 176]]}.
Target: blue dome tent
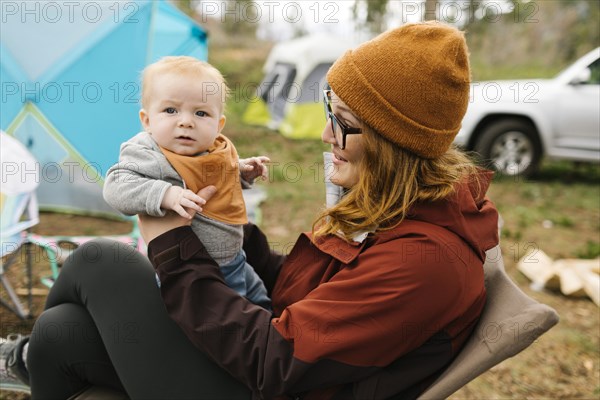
{"points": [[69, 76]]}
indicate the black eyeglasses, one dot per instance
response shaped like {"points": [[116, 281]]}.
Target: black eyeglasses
{"points": [[340, 129]]}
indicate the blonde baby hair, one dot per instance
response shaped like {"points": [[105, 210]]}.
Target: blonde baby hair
{"points": [[187, 66]]}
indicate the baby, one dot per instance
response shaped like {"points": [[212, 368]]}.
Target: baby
{"points": [[182, 151]]}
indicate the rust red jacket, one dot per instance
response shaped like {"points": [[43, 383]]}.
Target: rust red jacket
{"points": [[366, 320]]}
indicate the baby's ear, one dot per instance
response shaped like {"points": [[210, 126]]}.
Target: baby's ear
{"points": [[221, 122], [144, 119]]}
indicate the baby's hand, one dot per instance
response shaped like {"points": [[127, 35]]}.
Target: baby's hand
{"points": [[176, 198], [253, 167]]}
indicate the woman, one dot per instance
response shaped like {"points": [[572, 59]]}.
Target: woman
{"points": [[372, 304]]}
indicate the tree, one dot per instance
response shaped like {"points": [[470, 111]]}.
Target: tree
{"points": [[243, 21], [430, 10], [470, 13], [187, 6], [374, 18], [238, 17], [543, 37]]}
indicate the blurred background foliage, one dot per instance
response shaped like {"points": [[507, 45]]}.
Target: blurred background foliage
{"points": [[550, 32], [526, 39]]}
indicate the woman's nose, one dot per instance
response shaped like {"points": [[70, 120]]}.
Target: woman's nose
{"points": [[327, 134]]}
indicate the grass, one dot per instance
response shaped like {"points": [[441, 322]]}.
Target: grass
{"points": [[483, 71], [556, 210]]}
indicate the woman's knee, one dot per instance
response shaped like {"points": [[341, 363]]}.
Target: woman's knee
{"points": [[58, 332], [98, 257], [95, 266], [105, 252]]}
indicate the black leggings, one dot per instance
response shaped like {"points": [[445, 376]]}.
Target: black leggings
{"points": [[105, 324]]}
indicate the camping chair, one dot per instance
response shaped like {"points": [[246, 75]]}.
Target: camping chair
{"points": [[492, 341], [13, 236], [19, 212]]}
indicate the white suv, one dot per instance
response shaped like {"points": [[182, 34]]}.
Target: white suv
{"points": [[512, 124]]}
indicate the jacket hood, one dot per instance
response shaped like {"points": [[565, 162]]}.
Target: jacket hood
{"points": [[468, 213]]}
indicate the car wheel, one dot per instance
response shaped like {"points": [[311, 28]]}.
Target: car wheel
{"points": [[510, 146]]}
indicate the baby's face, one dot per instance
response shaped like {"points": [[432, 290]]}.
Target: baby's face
{"points": [[184, 114]]}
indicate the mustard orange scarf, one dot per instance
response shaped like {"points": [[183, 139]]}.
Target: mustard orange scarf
{"points": [[219, 168]]}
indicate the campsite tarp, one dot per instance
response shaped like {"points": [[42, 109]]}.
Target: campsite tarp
{"points": [[69, 75], [289, 99]]}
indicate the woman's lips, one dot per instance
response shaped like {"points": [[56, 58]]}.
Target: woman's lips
{"points": [[338, 160]]}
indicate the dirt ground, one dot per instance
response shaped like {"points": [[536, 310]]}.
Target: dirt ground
{"points": [[564, 363]]}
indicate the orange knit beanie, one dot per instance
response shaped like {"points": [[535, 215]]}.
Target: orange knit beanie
{"points": [[410, 84]]}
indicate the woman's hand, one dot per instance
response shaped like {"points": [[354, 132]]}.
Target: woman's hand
{"points": [[152, 227]]}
